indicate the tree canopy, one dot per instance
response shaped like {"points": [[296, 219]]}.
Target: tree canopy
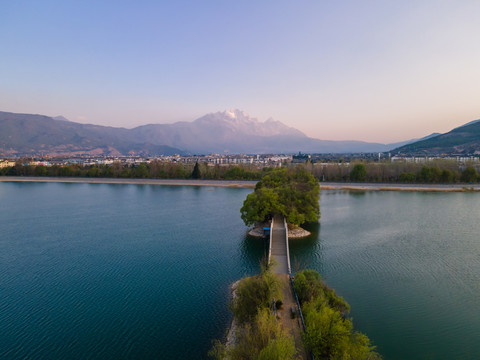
{"points": [[293, 193], [196, 174], [359, 173], [469, 175], [330, 333]]}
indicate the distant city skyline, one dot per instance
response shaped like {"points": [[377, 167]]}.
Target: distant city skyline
{"points": [[372, 71]]}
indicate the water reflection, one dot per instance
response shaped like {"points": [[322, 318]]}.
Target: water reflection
{"points": [[307, 252], [304, 252], [252, 250], [357, 193]]}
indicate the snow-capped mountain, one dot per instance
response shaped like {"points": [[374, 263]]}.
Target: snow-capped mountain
{"points": [[230, 130]]}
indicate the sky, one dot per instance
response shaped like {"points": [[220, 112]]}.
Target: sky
{"points": [[381, 71]]}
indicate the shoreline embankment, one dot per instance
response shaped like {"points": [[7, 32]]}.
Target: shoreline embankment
{"points": [[124, 181], [249, 184]]}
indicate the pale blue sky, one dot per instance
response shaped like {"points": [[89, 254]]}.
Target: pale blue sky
{"points": [[366, 70]]}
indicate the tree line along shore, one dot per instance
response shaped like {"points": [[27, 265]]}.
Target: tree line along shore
{"points": [[434, 172]]}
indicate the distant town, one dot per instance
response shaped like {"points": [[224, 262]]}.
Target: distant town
{"points": [[261, 160]]}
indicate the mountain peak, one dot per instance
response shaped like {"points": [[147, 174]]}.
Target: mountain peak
{"points": [[238, 121], [235, 113]]}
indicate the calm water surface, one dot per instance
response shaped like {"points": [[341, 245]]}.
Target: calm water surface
{"points": [[409, 266], [124, 271]]}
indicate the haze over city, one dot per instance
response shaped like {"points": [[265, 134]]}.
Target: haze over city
{"points": [[372, 70]]}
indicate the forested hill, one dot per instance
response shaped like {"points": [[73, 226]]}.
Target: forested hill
{"points": [[463, 140]]}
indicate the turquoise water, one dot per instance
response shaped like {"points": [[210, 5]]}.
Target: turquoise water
{"points": [[409, 266], [118, 271], [125, 271]]}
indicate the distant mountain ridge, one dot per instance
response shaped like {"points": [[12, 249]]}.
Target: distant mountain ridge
{"points": [[462, 140], [27, 134], [237, 132], [232, 131]]}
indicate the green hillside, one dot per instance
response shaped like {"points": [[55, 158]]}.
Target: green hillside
{"points": [[464, 140]]}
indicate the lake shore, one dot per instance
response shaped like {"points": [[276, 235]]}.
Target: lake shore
{"points": [[400, 187], [249, 184], [168, 182]]}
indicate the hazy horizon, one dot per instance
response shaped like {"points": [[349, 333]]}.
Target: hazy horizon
{"points": [[370, 71]]}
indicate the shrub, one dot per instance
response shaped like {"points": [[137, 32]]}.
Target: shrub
{"points": [[263, 338], [358, 173], [329, 333], [254, 293], [469, 175]]}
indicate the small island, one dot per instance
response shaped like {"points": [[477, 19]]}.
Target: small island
{"points": [[291, 193]]}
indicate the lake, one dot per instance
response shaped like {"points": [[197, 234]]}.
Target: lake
{"points": [[139, 271]]}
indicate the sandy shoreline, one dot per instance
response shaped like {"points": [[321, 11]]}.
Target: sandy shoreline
{"points": [[249, 184], [171, 182], [400, 187]]}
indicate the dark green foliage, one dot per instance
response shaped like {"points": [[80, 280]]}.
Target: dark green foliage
{"points": [[141, 171], [293, 193], [330, 336], [435, 171], [5, 171], [447, 176], [196, 172], [66, 171], [359, 173], [259, 335], [430, 174], [469, 175], [40, 170], [407, 177], [93, 172], [309, 286], [156, 169], [253, 293], [440, 170], [235, 172], [329, 333]]}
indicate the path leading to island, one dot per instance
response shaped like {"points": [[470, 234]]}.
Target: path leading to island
{"points": [[279, 246], [278, 250]]}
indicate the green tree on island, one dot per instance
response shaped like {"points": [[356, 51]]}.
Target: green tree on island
{"points": [[293, 193]]}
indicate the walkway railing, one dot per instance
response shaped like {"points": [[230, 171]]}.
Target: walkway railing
{"points": [[300, 314], [286, 244], [298, 304], [270, 242]]}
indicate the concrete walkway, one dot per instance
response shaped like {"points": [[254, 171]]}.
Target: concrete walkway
{"points": [[293, 326], [279, 246], [279, 252]]}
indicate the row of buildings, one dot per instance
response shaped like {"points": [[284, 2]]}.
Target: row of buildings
{"points": [[211, 159], [236, 159]]}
